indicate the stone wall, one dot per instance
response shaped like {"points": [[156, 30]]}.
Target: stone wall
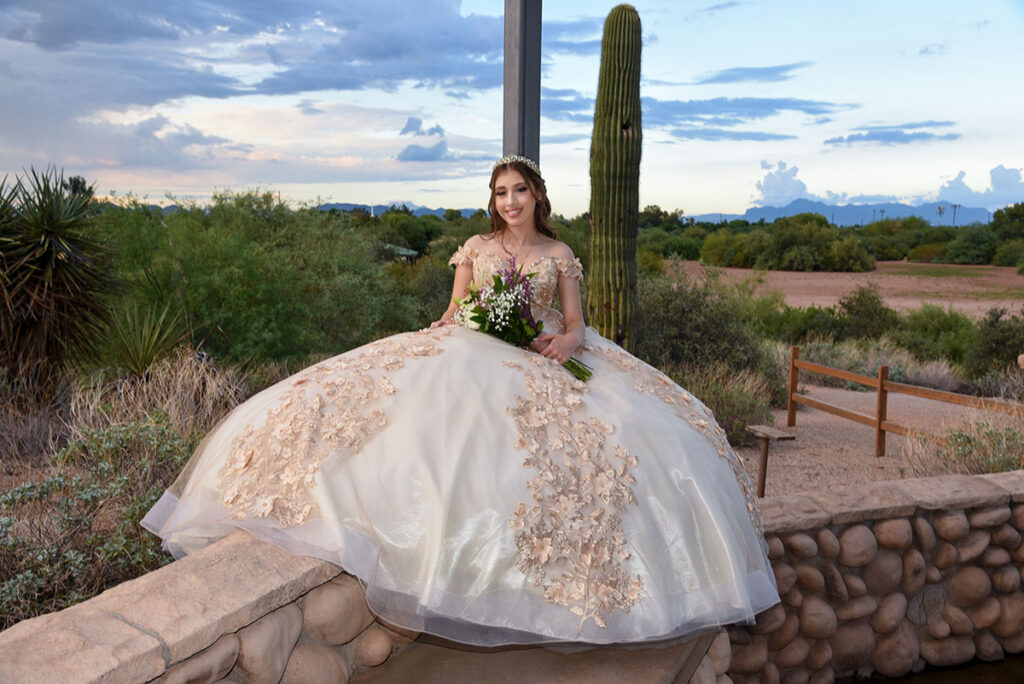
{"points": [[240, 610], [889, 577]]}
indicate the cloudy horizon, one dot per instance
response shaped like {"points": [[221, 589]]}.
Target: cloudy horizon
{"points": [[744, 103]]}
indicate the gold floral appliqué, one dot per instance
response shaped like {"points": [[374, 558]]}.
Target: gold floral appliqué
{"points": [[331, 407], [569, 541], [648, 379]]}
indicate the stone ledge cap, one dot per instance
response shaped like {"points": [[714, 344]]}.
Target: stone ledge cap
{"points": [[953, 491], [865, 502], [1012, 481], [218, 590], [79, 644], [784, 514]]}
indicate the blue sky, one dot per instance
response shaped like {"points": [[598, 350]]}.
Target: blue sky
{"points": [[745, 103]]}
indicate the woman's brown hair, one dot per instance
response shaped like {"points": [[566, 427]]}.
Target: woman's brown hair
{"points": [[541, 214]]}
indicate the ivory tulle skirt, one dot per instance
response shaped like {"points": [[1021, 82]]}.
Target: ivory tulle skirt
{"points": [[483, 494]]}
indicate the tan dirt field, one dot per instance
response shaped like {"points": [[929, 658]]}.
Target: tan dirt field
{"points": [[972, 290]]}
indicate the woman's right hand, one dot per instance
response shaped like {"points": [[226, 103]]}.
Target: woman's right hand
{"points": [[438, 323]]}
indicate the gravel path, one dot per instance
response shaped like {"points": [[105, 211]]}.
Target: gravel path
{"points": [[831, 452]]}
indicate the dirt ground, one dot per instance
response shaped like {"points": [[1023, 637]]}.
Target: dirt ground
{"points": [[972, 290], [831, 452]]}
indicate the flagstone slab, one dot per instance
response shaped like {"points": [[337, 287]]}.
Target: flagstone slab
{"points": [[953, 491], [784, 514], [190, 603], [81, 644], [858, 503], [1013, 482]]}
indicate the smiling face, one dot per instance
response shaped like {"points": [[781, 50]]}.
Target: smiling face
{"points": [[513, 199]]}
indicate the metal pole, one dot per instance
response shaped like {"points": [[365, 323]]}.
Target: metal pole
{"points": [[521, 131]]}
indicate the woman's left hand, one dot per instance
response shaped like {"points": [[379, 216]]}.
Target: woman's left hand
{"points": [[557, 347]]}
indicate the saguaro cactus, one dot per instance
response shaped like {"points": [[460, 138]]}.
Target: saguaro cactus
{"points": [[615, 180]]}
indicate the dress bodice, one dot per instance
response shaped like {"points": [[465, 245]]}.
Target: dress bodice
{"points": [[546, 269]]}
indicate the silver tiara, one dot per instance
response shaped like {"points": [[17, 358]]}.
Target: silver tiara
{"points": [[509, 158]]}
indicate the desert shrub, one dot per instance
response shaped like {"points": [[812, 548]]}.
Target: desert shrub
{"points": [[864, 314], [999, 341], [931, 333], [257, 279], [1008, 222], [751, 249], [1009, 253], [937, 234], [932, 251], [68, 536], [660, 241], [683, 325], [972, 245], [718, 248], [799, 258], [796, 325], [650, 263], [737, 399], [848, 255], [1007, 384], [979, 447]]}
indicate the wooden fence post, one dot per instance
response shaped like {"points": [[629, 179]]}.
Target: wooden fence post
{"points": [[794, 379], [880, 411]]}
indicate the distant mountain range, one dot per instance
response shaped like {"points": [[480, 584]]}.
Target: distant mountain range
{"points": [[838, 214], [377, 209], [859, 214]]}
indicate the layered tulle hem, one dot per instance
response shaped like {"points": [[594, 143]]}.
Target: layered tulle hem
{"points": [[485, 619]]}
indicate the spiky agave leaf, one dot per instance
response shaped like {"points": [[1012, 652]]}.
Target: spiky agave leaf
{"points": [[55, 275], [137, 338]]}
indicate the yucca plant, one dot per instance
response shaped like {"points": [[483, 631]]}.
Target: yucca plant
{"points": [[54, 275], [134, 339]]}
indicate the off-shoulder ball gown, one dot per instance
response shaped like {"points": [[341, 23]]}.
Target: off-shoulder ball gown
{"points": [[481, 493]]}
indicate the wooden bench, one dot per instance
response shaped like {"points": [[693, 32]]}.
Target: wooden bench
{"points": [[766, 433]]}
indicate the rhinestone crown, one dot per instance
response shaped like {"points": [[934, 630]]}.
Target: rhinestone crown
{"points": [[509, 158]]}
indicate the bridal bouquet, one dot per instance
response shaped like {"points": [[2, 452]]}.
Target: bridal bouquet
{"points": [[502, 309]]}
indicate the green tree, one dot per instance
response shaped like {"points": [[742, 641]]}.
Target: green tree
{"points": [[972, 245], [1008, 222]]}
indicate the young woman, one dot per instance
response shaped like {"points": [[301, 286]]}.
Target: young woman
{"points": [[478, 490]]}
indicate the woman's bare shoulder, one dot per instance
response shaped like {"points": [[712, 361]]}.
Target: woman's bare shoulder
{"points": [[478, 241], [560, 250]]}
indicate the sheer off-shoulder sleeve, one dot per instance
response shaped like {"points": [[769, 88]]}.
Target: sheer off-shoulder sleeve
{"points": [[570, 268], [463, 255]]}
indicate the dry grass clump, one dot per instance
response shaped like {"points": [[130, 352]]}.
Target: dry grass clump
{"points": [[71, 529], [866, 357], [737, 398], [194, 392], [985, 442], [28, 436]]}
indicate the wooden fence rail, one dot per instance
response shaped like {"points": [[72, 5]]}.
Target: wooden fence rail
{"points": [[883, 386]]}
